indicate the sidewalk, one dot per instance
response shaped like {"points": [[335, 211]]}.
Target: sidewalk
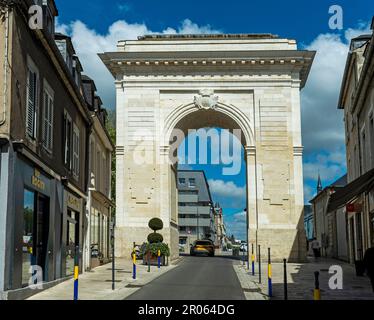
{"points": [[301, 281], [97, 284]]}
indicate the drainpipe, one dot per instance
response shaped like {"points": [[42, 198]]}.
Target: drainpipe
{"points": [[6, 47]]}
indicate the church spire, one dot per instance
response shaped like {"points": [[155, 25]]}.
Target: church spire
{"points": [[319, 183]]}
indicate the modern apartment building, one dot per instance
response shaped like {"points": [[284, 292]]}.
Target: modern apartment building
{"points": [[195, 208]]}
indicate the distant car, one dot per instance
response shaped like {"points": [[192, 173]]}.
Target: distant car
{"points": [[202, 247]]}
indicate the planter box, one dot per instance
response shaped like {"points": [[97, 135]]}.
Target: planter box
{"points": [[154, 260]]}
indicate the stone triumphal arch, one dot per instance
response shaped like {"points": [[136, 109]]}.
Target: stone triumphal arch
{"points": [[246, 82]]}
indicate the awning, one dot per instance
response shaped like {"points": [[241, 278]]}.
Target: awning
{"points": [[351, 190]]}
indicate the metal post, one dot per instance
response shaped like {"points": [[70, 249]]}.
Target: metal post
{"points": [[285, 279], [243, 257], [317, 291], [76, 272], [149, 261], [259, 264], [253, 260], [113, 262], [134, 264], [270, 284]]}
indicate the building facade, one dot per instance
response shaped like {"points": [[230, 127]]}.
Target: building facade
{"points": [[330, 226], [357, 102], [99, 203], [45, 131], [219, 228], [195, 208], [168, 84]]}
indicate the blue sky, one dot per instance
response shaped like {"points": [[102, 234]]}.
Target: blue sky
{"points": [[96, 26]]}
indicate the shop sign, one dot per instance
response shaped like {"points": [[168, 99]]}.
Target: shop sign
{"points": [[73, 202], [36, 180], [353, 207]]}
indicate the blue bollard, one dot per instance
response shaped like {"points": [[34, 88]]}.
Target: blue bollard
{"points": [[76, 272], [134, 265], [253, 261], [270, 284]]}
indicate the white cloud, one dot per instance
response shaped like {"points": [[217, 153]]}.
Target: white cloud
{"points": [[228, 194], [322, 122], [88, 43], [331, 166], [236, 224]]}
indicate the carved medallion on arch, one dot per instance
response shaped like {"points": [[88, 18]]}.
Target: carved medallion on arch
{"points": [[206, 100]]}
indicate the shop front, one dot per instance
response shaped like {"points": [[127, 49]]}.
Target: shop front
{"points": [[37, 204], [72, 240], [99, 230]]}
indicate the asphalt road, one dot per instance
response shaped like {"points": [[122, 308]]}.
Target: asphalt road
{"points": [[195, 278]]}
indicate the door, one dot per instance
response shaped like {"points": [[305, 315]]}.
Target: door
{"points": [[352, 239], [35, 234], [42, 234], [72, 240], [360, 253]]}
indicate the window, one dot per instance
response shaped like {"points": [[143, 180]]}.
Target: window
{"points": [[67, 140], [105, 175], [182, 181], [98, 169], [192, 182], [76, 151], [48, 118], [92, 159], [363, 151], [193, 192], [32, 100]]}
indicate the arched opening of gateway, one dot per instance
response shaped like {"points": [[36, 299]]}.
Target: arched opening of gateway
{"points": [[211, 190]]}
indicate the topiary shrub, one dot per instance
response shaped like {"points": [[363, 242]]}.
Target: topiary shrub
{"points": [[155, 238], [155, 224]]}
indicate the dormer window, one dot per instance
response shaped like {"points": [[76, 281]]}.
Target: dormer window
{"points": [[49, 14], [77, 69]]}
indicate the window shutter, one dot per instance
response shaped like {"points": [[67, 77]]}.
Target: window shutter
{"points": [[45, 121], [50, 124], [76, 151], [31, 104]]}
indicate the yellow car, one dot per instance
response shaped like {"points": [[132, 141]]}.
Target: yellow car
{"points": [[202, 247]]}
